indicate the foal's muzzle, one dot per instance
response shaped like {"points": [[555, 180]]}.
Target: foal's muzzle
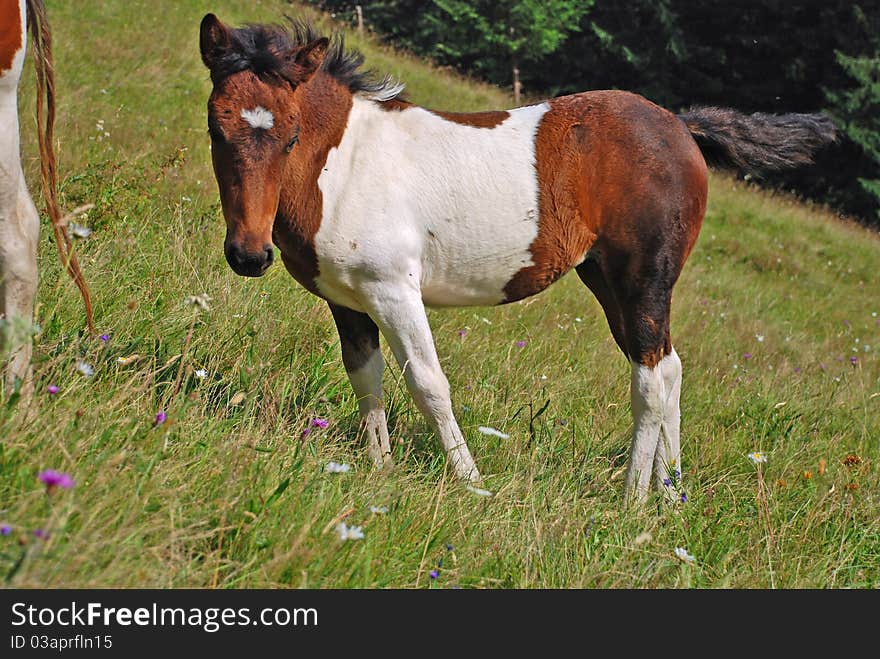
{"points": [[247, 263]]}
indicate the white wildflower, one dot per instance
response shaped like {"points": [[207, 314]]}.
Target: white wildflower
{"points": [[760, 338], [757, 457], [378, 510], [337, 468], [79, 231], [347, 532], [486, 430], [201, 373], [85, 368], [200, 301], [478, 491], [683, 554]]}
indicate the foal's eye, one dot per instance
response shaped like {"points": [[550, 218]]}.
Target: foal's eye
{"points": [[292, 143]]}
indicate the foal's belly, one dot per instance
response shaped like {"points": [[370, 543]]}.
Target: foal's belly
{"points": [[462, 267]]}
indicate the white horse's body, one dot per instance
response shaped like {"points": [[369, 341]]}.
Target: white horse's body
{"points": [[19, 221]]}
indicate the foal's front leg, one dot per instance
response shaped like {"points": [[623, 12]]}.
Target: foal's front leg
{"points": [[400, 314], [363, 362]]}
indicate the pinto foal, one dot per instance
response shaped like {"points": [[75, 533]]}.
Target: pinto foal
{"points": [[381, 207], [19, 221]]}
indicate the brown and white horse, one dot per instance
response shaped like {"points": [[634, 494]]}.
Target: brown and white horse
{"points": [[381, 207], [19, 221]]}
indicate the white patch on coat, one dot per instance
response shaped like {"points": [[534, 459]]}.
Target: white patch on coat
{"points": [[259, 117], [654, 395], [412, 199]]}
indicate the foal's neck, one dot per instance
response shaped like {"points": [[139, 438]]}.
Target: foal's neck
{"points": [[324, 106]]}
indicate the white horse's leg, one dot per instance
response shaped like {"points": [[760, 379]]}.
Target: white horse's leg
{"points": [[363, 362], [19, 234], [400, 315], [647, 393], [667, 459]]}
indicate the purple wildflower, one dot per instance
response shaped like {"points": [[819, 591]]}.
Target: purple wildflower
{"points": [[667, 482], [684, 497], [853, 360], [433, 574], [797, 369], [161, 418], [462, 333], [5, 529], [448, 547], [320, 423], [747, 355], [40, 533], [520, 344], [104, 338], [677, 473], [53, 389], [306, 433], [52, 479]]}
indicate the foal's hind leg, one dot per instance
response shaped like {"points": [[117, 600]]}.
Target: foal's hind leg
{"points": [[363, 362], [400, 314], [637, 309], [667, 459], [655, 388]]}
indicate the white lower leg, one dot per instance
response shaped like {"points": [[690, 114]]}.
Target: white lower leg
{"points": [[367, 384], [19, 233], [667, 461], [431, 393], [647, 395]]}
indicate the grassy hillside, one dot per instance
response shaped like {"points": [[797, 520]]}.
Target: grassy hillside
{"points": [[775, 318]]}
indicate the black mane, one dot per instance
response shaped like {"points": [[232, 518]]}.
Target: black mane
{"points": [[263, 49]]}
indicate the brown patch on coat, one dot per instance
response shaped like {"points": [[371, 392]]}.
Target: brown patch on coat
{"points": [[11, 33], [622, 181], [326, 108], [395, 105], [489, 119]]}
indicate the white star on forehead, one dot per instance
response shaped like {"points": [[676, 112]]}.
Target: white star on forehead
{"points": [[259, 117]]}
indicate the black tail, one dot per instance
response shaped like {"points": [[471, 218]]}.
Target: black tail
{"points": [[757, 142]]}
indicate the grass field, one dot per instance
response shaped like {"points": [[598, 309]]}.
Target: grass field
{"points": [[775, 318]]}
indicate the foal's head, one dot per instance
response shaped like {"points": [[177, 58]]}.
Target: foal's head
{"points": [[254, 122]]}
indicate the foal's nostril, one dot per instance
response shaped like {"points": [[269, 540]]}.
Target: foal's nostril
{"points": [[270, 255]]}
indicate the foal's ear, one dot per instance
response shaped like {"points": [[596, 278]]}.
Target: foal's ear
{"points": [[308, 59], [213, 39]]}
